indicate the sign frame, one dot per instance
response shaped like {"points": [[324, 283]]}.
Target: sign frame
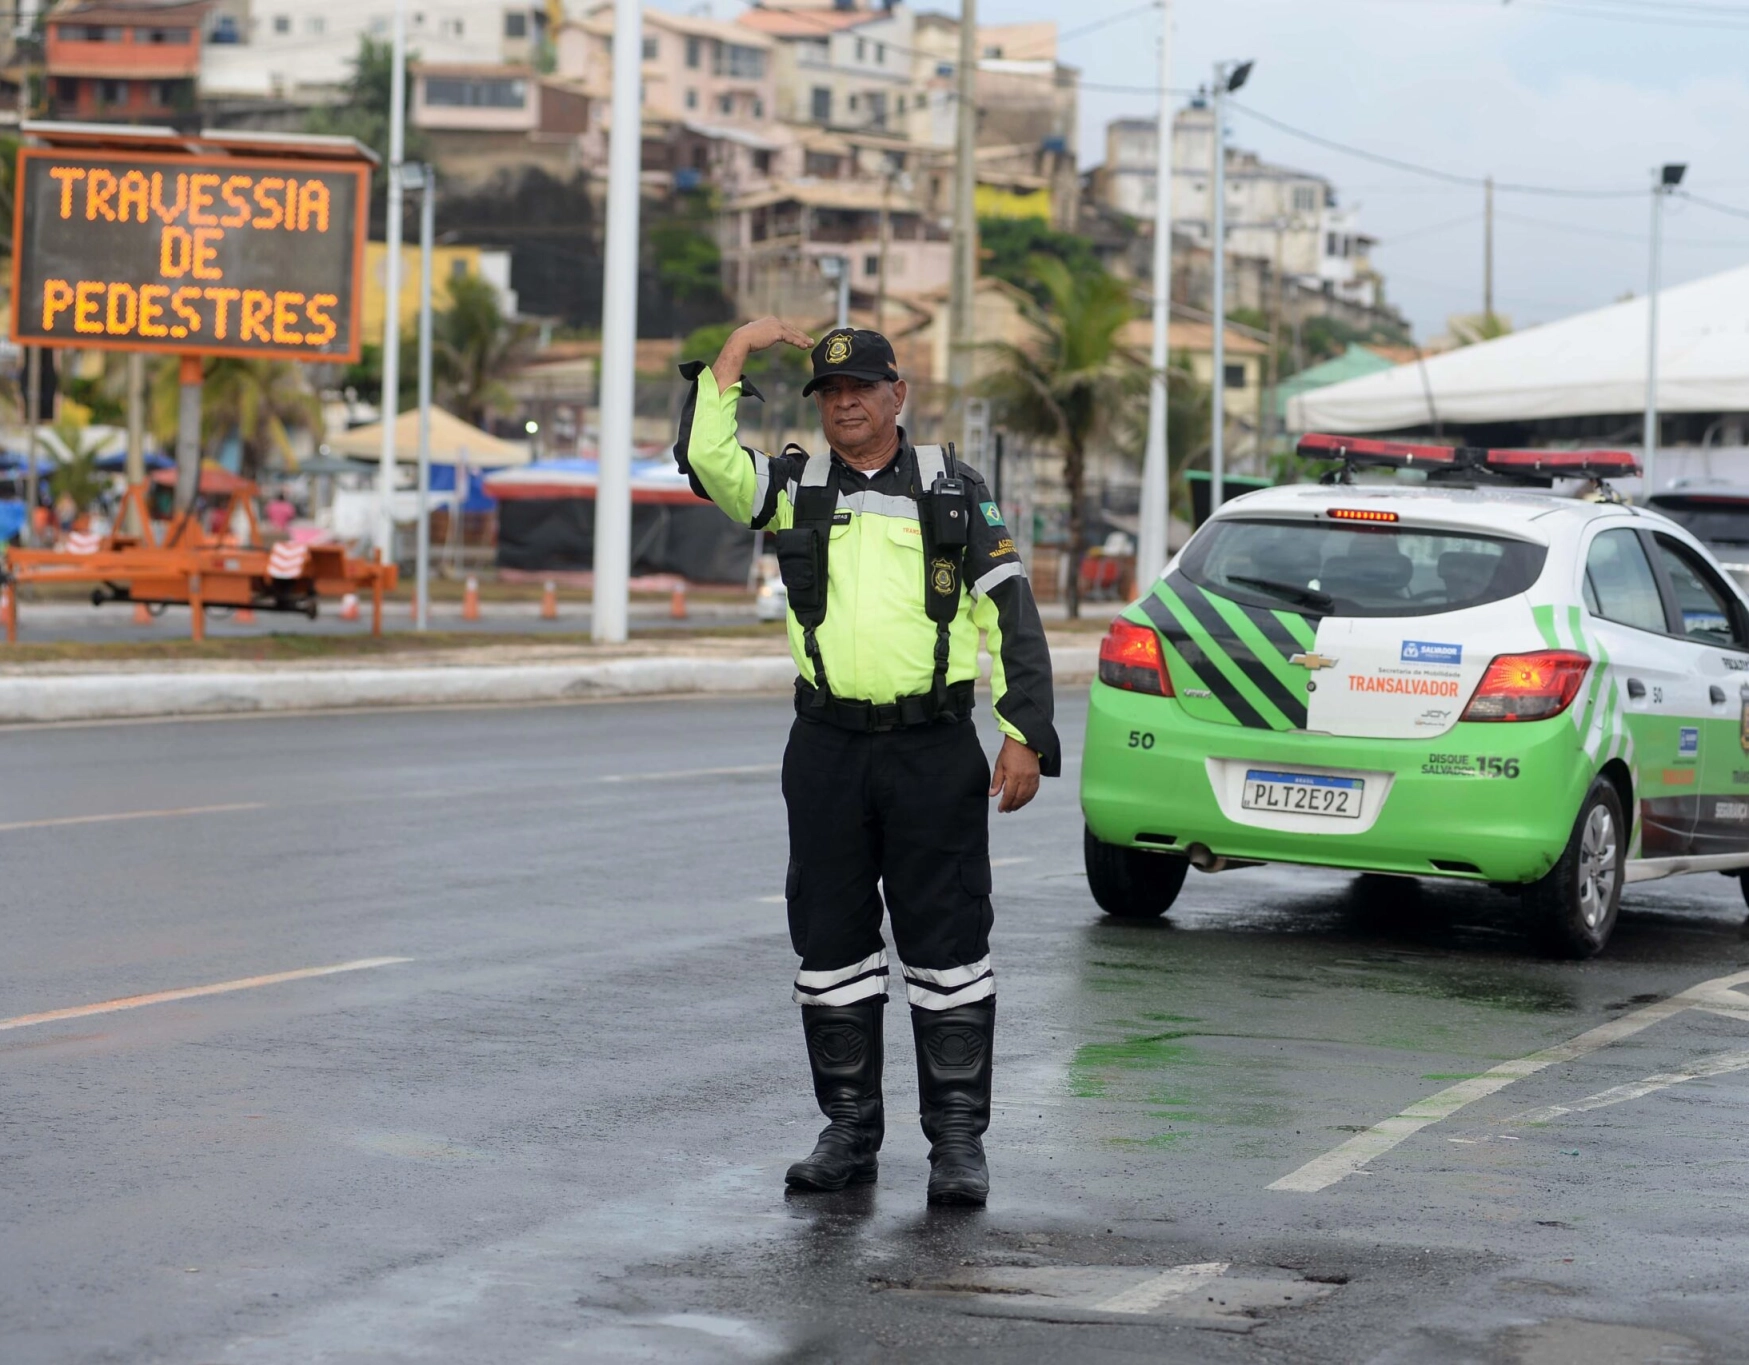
{"points": [[359, 169]]}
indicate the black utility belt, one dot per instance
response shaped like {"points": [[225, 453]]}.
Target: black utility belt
{"points": [[849, 713]]}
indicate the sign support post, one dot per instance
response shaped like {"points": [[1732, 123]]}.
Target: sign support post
{"points": [[136, 457], [422, 553], [33, 383], [187, 432]]}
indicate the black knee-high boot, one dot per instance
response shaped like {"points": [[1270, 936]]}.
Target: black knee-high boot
{"points": [[844, 1050], [953, 1089]]}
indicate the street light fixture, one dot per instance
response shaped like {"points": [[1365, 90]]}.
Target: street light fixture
{"points": [[1229, 76], [1669, 177]]}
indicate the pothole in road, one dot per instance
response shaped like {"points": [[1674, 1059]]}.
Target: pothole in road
{"points": [[1207, 1294]]}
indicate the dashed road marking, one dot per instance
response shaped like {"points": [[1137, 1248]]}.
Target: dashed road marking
{"points": [[134, 1002], [133, 815], [1715, 997]]}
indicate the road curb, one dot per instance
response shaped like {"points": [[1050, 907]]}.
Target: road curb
{"points": [[132, 696]]}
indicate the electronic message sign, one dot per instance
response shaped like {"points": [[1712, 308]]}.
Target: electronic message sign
{"points": [[197, 255]]}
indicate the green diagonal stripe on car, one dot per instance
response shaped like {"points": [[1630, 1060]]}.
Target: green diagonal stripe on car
{"points": [[1274, 629], [1545, 622], [1216, 636], [1162, 608], [1258, 658], [1303, 629]]}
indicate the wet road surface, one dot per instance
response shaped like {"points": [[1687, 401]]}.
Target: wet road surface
{"points": [[557, 1129]]}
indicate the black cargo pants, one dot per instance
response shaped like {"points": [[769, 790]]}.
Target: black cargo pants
{"points": [[905, 812]]}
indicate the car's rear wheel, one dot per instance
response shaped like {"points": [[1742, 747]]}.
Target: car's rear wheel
{"points": [[1574, 904], [1132, 883]]}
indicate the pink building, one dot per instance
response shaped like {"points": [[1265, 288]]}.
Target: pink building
{"points": [[695, 70]]}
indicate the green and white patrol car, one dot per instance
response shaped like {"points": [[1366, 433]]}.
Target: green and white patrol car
{"points": [[1467, 678]]}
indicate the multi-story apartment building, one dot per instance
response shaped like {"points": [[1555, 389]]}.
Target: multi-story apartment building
{"points": [[302, 51], [695, 70], [1273, 213], [840, 67], [129, 60]]}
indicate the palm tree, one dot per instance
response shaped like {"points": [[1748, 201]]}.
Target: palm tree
{"points": [[260, 401], [76, 476], [474, 347], [1074, 382]]}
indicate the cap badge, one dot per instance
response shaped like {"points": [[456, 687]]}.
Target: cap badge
{"points": [[838, 348]]}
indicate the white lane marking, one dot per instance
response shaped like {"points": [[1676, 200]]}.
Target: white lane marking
{"points": [[745, 768], [1324, 1171], [134, 1002], [133, 815], [1008, 862], [1168, 1284], [1720, 1064]]}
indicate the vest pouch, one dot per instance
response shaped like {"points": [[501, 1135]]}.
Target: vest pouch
{"points": [[801, 563]]}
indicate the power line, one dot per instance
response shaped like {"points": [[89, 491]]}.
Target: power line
{"points": [[1427, 231], [1450, 177], [1728, 209], [1639, 238]]}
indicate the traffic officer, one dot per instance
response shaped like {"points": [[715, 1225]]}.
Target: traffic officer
{"points": [[894, 558]]}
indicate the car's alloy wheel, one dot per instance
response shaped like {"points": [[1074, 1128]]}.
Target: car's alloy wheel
{"points": [[1575, 904]]}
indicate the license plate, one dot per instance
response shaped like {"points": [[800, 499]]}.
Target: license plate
{"points": [[1303, 794]]}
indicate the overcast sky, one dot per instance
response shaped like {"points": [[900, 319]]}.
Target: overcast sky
{"points": [[1580, 94]]}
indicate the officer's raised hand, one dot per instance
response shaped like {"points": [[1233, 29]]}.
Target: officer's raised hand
{"points": [[751, 337], [1015, 775]]}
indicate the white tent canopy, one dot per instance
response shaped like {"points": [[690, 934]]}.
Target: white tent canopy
{"points": [[1588, 365]]}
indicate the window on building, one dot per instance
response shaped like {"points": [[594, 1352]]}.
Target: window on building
{"points": [[739, 60], [862, 49], [315, 25], [694, 52], [67, 89], [458, 267], [821, 164], [762, 163], [852, 103], [691, 99], [156, 36], [92, 33], [225, 30], [651, 49], [880, 54], [877, 108], [725, 104], [475, 92], [282, 23], [700, 158], [1329, 243], [820, 105], [758, 108], [1305, 199], [112, 92], [871, 264], [898, 104], [1235, 376], [454, 28], [515, 24], [379, 24]]}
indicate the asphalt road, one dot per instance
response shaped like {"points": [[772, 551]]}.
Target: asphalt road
{"points": [[557, 1129]]}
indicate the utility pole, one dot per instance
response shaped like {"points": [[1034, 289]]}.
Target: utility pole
{"points": [[1229, 76], [961, 304], [1669, 177], [427, 183], [886, 230], [385, 537], [1152, 546], [619, 332], [1488, 254]]}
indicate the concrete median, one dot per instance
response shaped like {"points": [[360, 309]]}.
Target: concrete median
{"points": [[26, 699]]}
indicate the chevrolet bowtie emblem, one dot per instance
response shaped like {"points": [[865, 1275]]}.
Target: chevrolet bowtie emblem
{"points": [[1312, 661]]}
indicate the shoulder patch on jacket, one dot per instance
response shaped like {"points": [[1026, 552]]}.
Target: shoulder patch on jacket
{"points": [[992, 513]]}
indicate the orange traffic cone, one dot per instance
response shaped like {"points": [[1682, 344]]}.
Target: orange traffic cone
{"points": [[142, 614], [677, 603], [549, 601], [471, 600], [349, 607]]}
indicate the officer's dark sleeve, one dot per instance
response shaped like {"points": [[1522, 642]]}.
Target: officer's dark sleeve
{"points": [[1020, 674], [744, 482]]}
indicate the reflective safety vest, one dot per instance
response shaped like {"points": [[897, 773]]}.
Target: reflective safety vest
{"points": [[894, 621]]}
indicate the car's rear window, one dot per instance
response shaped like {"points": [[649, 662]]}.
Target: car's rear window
{"points": [[1713, 523], [1336, 570]]}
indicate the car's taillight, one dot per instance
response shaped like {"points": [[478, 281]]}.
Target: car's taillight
{"points": [[1528, 686], [1130, 658]]}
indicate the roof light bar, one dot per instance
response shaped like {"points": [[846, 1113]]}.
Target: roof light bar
{"points": [[1565, 464], [1358, 450]]}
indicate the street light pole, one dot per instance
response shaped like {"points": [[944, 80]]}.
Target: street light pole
{"points": [[1229, 76], [427, 182], [961, 306], [385, 537], [1669, 177], [1152, 542], [619, 332]]}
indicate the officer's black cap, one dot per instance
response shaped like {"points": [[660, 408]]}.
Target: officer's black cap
{"points": [[856, 352]]}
